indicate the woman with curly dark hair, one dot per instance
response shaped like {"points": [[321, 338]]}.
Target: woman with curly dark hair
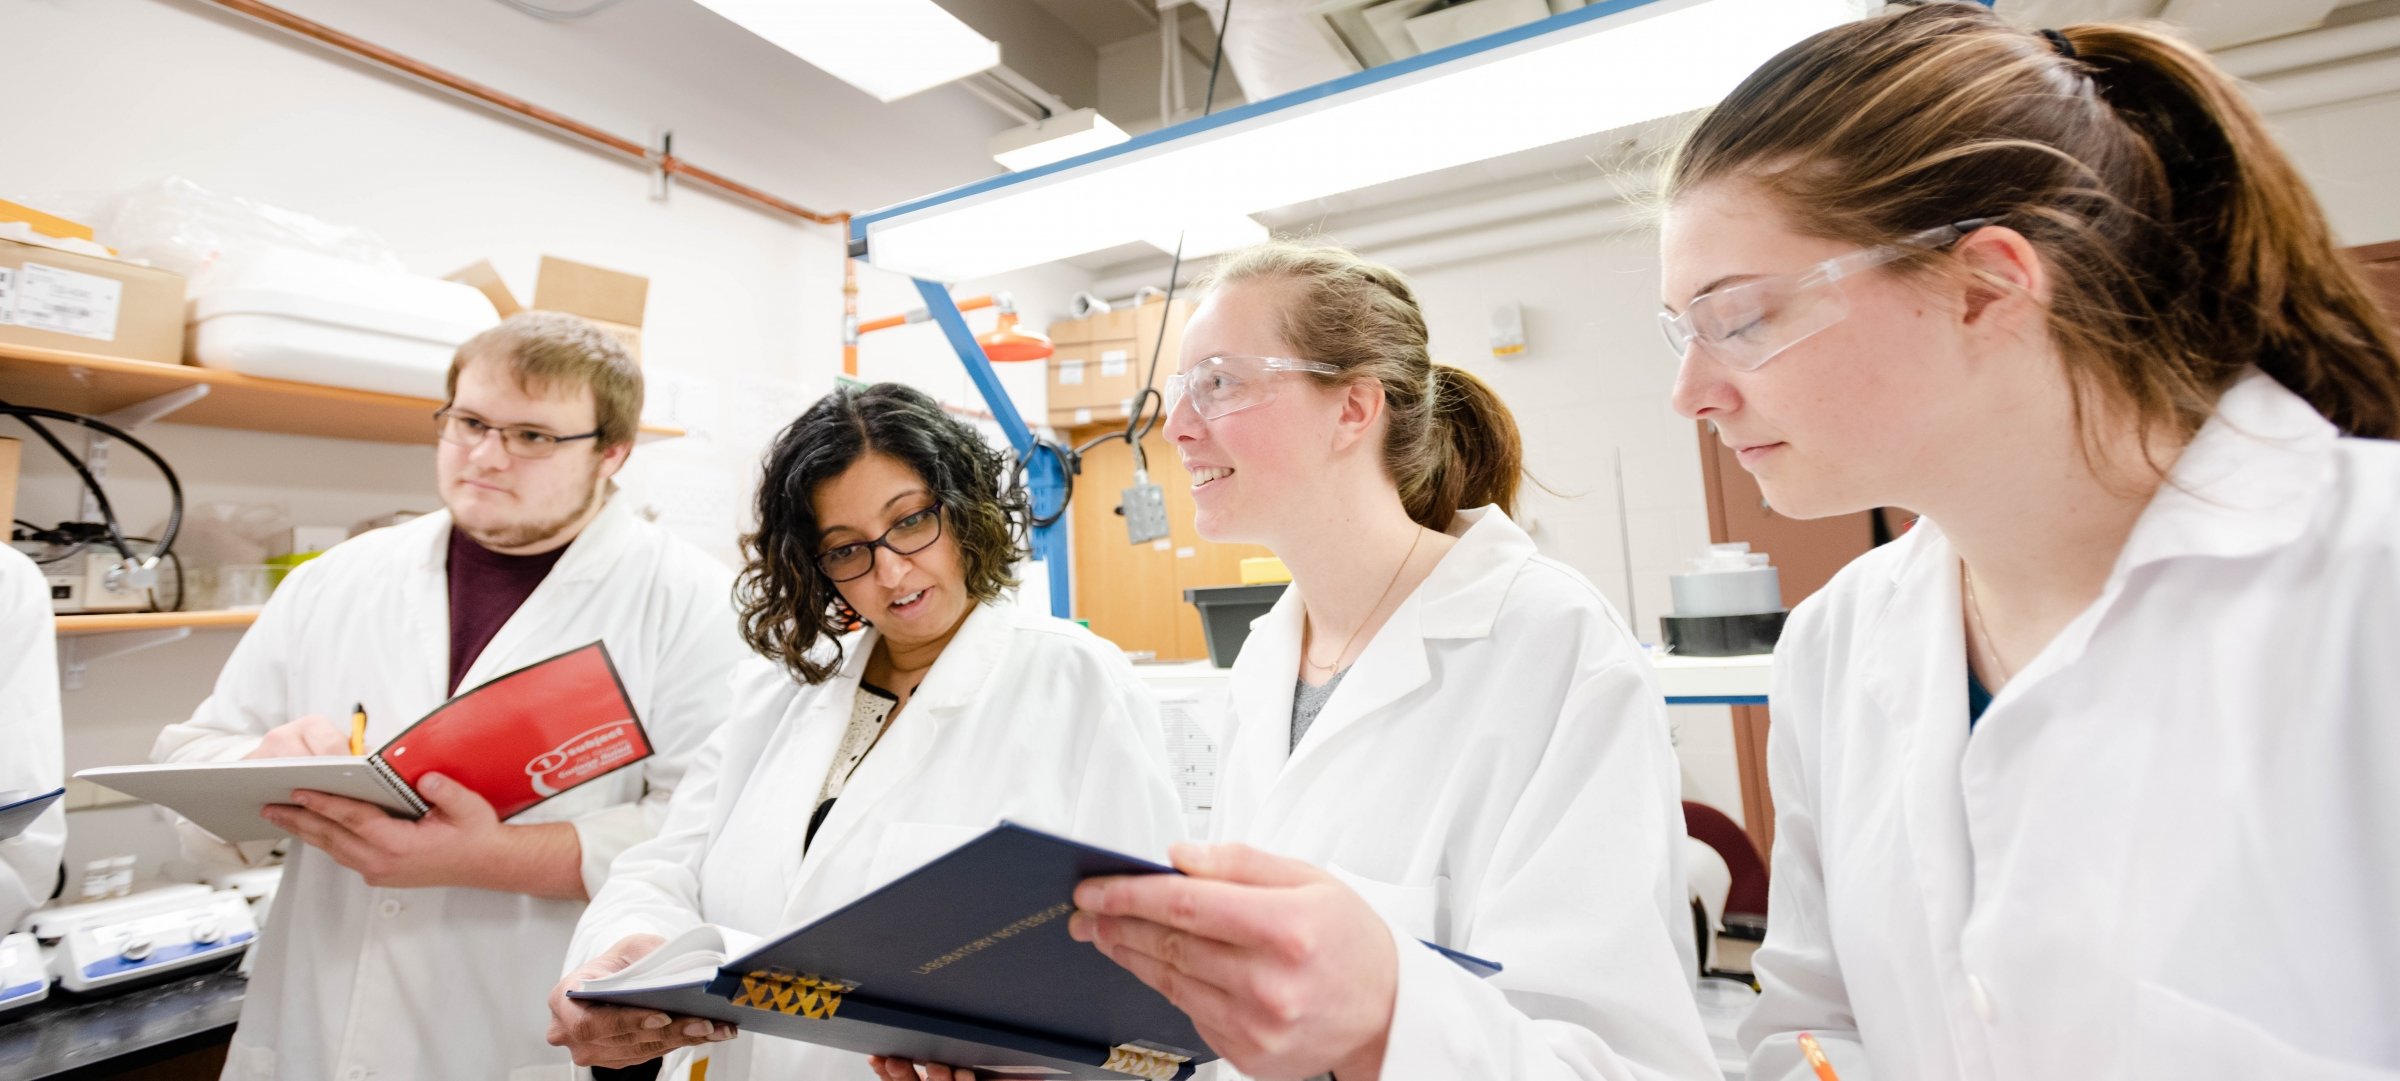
{"points": [[901, 704]]}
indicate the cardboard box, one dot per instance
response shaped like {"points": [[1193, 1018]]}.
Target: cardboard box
{"points": [[612, 299], [1094, 381], [51, 299], [1070, 332]]}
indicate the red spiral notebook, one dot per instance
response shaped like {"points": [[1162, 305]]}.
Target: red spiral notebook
{"points": [[518, 740]]}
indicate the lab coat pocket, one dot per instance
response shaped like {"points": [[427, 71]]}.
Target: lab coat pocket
{"points": [[907, 846], [1414, 909], [2176, 1036]]}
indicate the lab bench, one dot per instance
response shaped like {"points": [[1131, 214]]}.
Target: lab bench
{"points": [[164, 1032]]}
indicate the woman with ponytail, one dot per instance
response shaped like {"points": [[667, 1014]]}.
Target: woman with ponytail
{"points": [[1436, 736], [2094, 773]]}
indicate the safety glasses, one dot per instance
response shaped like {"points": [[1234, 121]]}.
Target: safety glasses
{"points": [[1218, 386], [1746, 325]]}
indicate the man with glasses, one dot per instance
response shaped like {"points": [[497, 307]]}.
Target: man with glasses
{"points": [[425, 949]]}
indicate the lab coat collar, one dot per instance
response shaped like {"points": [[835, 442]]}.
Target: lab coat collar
{"points": [[1460, 599], [2249, 481], [960, 674], [1915, 671], [958, 678]]}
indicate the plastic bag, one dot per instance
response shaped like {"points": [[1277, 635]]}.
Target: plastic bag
{"points": [[178, 225]]}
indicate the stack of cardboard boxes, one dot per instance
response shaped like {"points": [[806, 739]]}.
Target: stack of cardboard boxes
{"points": [[1101, 361]]}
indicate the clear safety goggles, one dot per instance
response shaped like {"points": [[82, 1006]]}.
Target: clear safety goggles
{"points": [[1217, 386], [1746, 325]]}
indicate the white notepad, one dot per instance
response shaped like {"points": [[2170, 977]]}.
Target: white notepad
{"points": [[224, 798]]}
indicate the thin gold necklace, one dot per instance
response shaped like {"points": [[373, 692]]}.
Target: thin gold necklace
{"points": [[1379, 599], [1991, 649]]}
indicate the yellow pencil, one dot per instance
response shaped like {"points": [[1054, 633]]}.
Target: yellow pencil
{"points": [[358, 729], [1816, 1058]]}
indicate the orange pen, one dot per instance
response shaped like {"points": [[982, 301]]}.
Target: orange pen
{"points": [[1816, 1058]]}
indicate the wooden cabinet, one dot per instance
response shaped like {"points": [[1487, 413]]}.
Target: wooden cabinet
{"points": [[1133, 593]]}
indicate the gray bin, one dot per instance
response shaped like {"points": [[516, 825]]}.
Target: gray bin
{"points": [[1226, 612]]}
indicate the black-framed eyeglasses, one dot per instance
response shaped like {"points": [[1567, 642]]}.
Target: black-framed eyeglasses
{"points": [[466, 431], [906, 537]]}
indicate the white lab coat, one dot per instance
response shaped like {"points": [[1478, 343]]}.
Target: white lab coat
{"points": [[444, 984], [1494, 774], [2171, 848], [1023, 717], [33, 760]]}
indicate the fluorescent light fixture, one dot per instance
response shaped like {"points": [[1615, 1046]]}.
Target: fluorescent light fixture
{"points": [[888, 48], [1594, 69], [1205, 238], [1055, 138]]}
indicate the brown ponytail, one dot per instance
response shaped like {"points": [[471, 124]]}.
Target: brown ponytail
{"points": [[1482, 456], [1450, 444], [2185, 245]]}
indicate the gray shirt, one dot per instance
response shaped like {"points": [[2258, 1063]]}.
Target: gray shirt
{"points": [[1309, 701]]}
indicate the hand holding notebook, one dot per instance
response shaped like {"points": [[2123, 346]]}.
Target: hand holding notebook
{"points": [[515, 741], [964, 961]]}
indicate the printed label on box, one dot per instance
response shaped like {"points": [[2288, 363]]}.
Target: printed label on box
{"points": [[65, 302], [1070, 373], [1112, 363], [8, 293], [1083, 417]]}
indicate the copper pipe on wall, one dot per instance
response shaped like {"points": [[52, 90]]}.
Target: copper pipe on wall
{"points": [[509, 103]]}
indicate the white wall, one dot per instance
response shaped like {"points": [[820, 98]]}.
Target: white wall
{"points": [[745, 306], [2349, 155]]}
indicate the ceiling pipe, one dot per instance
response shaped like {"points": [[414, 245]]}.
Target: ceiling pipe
{"points": [[519, 107]]}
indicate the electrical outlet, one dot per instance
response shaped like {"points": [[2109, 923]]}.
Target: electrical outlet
{"points": [[1145, 509]]}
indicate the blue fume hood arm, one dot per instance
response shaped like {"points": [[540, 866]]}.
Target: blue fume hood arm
{"points": [[1045, 470]]}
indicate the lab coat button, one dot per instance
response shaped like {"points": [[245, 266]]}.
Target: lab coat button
{"points": [[358, 1073], [1982, 1000], [389, 908]]}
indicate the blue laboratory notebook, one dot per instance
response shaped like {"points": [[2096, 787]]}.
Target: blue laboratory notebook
{"points": [[964, 961], [19, 809]]}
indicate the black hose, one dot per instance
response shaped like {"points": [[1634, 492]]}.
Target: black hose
{"points": [[27, 414]]}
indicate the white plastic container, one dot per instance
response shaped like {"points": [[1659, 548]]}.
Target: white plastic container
{"points": [[1726, 580], [309, 318]]}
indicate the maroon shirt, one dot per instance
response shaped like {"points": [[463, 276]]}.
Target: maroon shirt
{"points": [[485, 589]]}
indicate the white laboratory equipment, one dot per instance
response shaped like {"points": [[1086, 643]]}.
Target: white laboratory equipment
{"points": [[24, 979], [96, 945]]}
